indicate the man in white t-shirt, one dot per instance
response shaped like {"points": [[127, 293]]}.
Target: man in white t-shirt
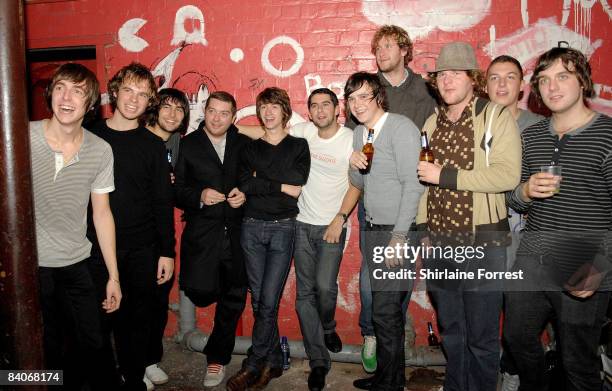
{"points": [[325, 203]]}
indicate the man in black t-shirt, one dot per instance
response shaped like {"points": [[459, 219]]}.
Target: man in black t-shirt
{"points": [[144, 224]]}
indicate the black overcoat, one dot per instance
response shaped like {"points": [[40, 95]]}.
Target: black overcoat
{"points": [[202, 276]]}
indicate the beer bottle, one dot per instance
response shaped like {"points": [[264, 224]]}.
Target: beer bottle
{"points": [[426, 154], [368, 150], [432, 340]]}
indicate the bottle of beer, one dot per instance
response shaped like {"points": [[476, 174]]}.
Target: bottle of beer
{"points": [[426, 154], [368, 150], [432, 340]]}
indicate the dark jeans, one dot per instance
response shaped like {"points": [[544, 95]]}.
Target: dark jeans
{"points": [[71, 326], [131, 325], [155, 348], [316, 269], [268, 246], [469, 326], [365, 289], [578, 328], [230, 305], [388, 317]]}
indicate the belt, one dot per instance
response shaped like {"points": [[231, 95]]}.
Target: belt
{"points": [[381, 227], [270, 221]]}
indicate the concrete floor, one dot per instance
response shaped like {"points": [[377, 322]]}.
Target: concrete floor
{"points": [[186, 370]]}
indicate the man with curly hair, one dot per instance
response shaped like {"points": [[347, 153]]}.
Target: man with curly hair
{"points": [[142, 206]]}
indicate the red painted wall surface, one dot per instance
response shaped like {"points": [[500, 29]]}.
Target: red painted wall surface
{"points": [[244, 46]]}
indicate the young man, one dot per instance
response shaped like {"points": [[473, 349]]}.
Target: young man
{"points": [[565, 246], [167, 120], [407, 94], [391, 193], [142, 206], [477, 158], [273, 170], [212, 262], [505, 87], [320, 230], [70, 166]]}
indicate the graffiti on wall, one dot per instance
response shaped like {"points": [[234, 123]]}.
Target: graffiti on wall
{"points": [[419, 18]]}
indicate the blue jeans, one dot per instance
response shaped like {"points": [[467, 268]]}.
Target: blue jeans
{"points": [[469, 326], [268, 246], [316, 268]]}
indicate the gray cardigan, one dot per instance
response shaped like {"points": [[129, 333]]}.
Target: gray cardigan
{"points": [[391, 190]]}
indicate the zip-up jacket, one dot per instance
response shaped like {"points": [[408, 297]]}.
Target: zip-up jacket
{"points": [[496, 170]]}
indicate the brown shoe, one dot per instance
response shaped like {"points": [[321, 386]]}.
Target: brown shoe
{"points": [[267, 374], [241, 380]]}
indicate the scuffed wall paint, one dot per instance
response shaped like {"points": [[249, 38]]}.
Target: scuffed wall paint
{"points": [[202, 46]]}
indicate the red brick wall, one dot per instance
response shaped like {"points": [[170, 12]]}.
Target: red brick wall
{"points": [[202, 46]]}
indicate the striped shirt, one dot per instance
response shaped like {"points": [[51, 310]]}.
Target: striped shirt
{"points": [[61, 195], [570, 225]]}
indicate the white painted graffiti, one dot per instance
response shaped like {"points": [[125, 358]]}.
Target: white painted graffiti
{"points": [[165, 67], [282, 40], [527, 43], [419, 18], [236, 55], [192, 13], [582, 13], [128, 38], [312, 81]]}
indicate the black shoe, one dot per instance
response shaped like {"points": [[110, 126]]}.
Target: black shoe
{"points": [[364, 384], [333, 342], [316, 379]]}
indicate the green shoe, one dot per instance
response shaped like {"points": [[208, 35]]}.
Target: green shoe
{"points": [[368, 353]]}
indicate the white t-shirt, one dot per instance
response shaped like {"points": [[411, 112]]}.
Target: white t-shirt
{"points": [[328, 180]]}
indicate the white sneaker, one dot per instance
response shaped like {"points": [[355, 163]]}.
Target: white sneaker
{"points": [[150, 386], [156, 374], [215, 373], [510, 382]]}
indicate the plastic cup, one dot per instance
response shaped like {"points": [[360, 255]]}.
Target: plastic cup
{"points": [[556, 171]]}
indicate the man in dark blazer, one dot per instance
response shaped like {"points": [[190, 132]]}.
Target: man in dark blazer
{"points": [[212, 264]]}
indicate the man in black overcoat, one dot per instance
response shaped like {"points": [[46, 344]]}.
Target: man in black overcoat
{"points": [[212, 263]]}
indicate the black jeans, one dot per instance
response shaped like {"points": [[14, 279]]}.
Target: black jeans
{"points": [[131, 324], [155, 349], [71, 326], [388, 297], [578, 327], [468, 314]]}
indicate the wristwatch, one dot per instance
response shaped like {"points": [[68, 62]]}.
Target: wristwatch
{"points": [[343, 215]]}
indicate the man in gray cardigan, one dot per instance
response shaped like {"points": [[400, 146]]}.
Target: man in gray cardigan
{"points": [[391, 195]]}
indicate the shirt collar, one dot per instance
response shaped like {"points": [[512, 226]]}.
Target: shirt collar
{"points": [[406, 75]]}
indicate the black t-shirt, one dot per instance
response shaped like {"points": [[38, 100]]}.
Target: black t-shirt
{"points": [[142, 201]]}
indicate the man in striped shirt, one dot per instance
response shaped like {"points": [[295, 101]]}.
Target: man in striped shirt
{"points": [[563, 251], [69, 166]]}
